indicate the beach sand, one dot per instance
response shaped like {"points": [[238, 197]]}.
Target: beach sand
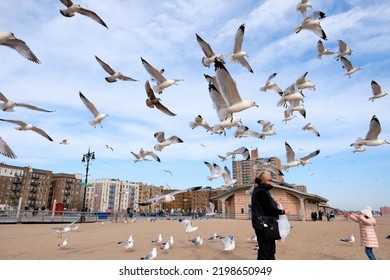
{"points": [[319, 240]]}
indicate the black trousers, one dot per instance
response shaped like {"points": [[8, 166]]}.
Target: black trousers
{"points": [[267, 249]]}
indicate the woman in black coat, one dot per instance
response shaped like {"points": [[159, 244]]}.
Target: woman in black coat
{"points": [[263, 204]]}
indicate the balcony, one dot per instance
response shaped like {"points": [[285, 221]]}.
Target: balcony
{"points": [[34, 183], [16, 188], [34, 190], [68, 186]]}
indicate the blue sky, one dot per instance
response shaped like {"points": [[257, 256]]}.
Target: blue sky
{"points": [[163, 33]]}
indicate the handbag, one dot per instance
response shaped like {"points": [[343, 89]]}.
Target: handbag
{"points": [[270, 228]]}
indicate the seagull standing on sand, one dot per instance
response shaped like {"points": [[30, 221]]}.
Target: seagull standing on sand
{"points": [[151, 256], [348, 67], [343, 50], [312, 23], [129, 243], [24, 126], [322, 50], [197, 241], [238, 54], [348, 239], [158, 240], [5, 150], [271, 85], [71, 9], [376, 91], [98, 117], [371, 138], [8, 105], [310, 127], [152, 101], [8, 39], [113, 74], [161, 81], [63, 244], [142, 154], [210, 56], [164, 142]]}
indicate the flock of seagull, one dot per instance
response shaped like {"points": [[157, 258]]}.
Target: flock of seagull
{"points": [[224, 94]]}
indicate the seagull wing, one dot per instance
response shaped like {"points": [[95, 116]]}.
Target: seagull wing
{"points": [[93, 16], [374, 130], [5, 150], [89, 105], [3, 98], [347, 63], [219, 103], [153, 71], [227, 84], [15, 122], [342, 45], [245, 63], [290, 154], [205, 46], [160, 136], [239, 38], [320, 46], [376, 89], [153, 155], [32, 107], [105, 66], [21, 47], [158, 104], [41, 132], [309, 156]]}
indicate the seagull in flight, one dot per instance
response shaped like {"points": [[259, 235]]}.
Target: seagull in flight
{"points": [[98, 117], [162, 82], [348, 67], [199, 121], [164, 142], [271, 85], [226, 175], [312, 23], [210, 56], [240, 151], [302, 7], [60, 230], [322, 50], [188, 226], [142, 154], [8, 39], [110, 148], [114, 75], [292, 161], [213, 174], [64, 142], [5, 150], [376, 91], [72, 9], [343, 50], [371, 138], [166, 198], [152, 101], [24, 126], [311, 128], [238, 54], [229, 242]]}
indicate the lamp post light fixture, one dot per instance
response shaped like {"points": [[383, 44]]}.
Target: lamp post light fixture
{"points": [[86, 160]]}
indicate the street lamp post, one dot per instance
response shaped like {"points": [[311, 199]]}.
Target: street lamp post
{"points": [[86, 160]]}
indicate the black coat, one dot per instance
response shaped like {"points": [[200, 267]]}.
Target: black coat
{"points": [[263, 204]]}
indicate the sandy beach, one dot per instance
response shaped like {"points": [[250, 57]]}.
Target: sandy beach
{"points": [[319, 240]]}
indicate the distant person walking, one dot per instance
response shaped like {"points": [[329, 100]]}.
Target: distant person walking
{"points": [[368, 237], [263, 204]]}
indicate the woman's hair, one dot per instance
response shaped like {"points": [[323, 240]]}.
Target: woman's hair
{"points": [[260, 177]]}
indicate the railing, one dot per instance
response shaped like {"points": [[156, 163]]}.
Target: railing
{"points": [[47, 216]]}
